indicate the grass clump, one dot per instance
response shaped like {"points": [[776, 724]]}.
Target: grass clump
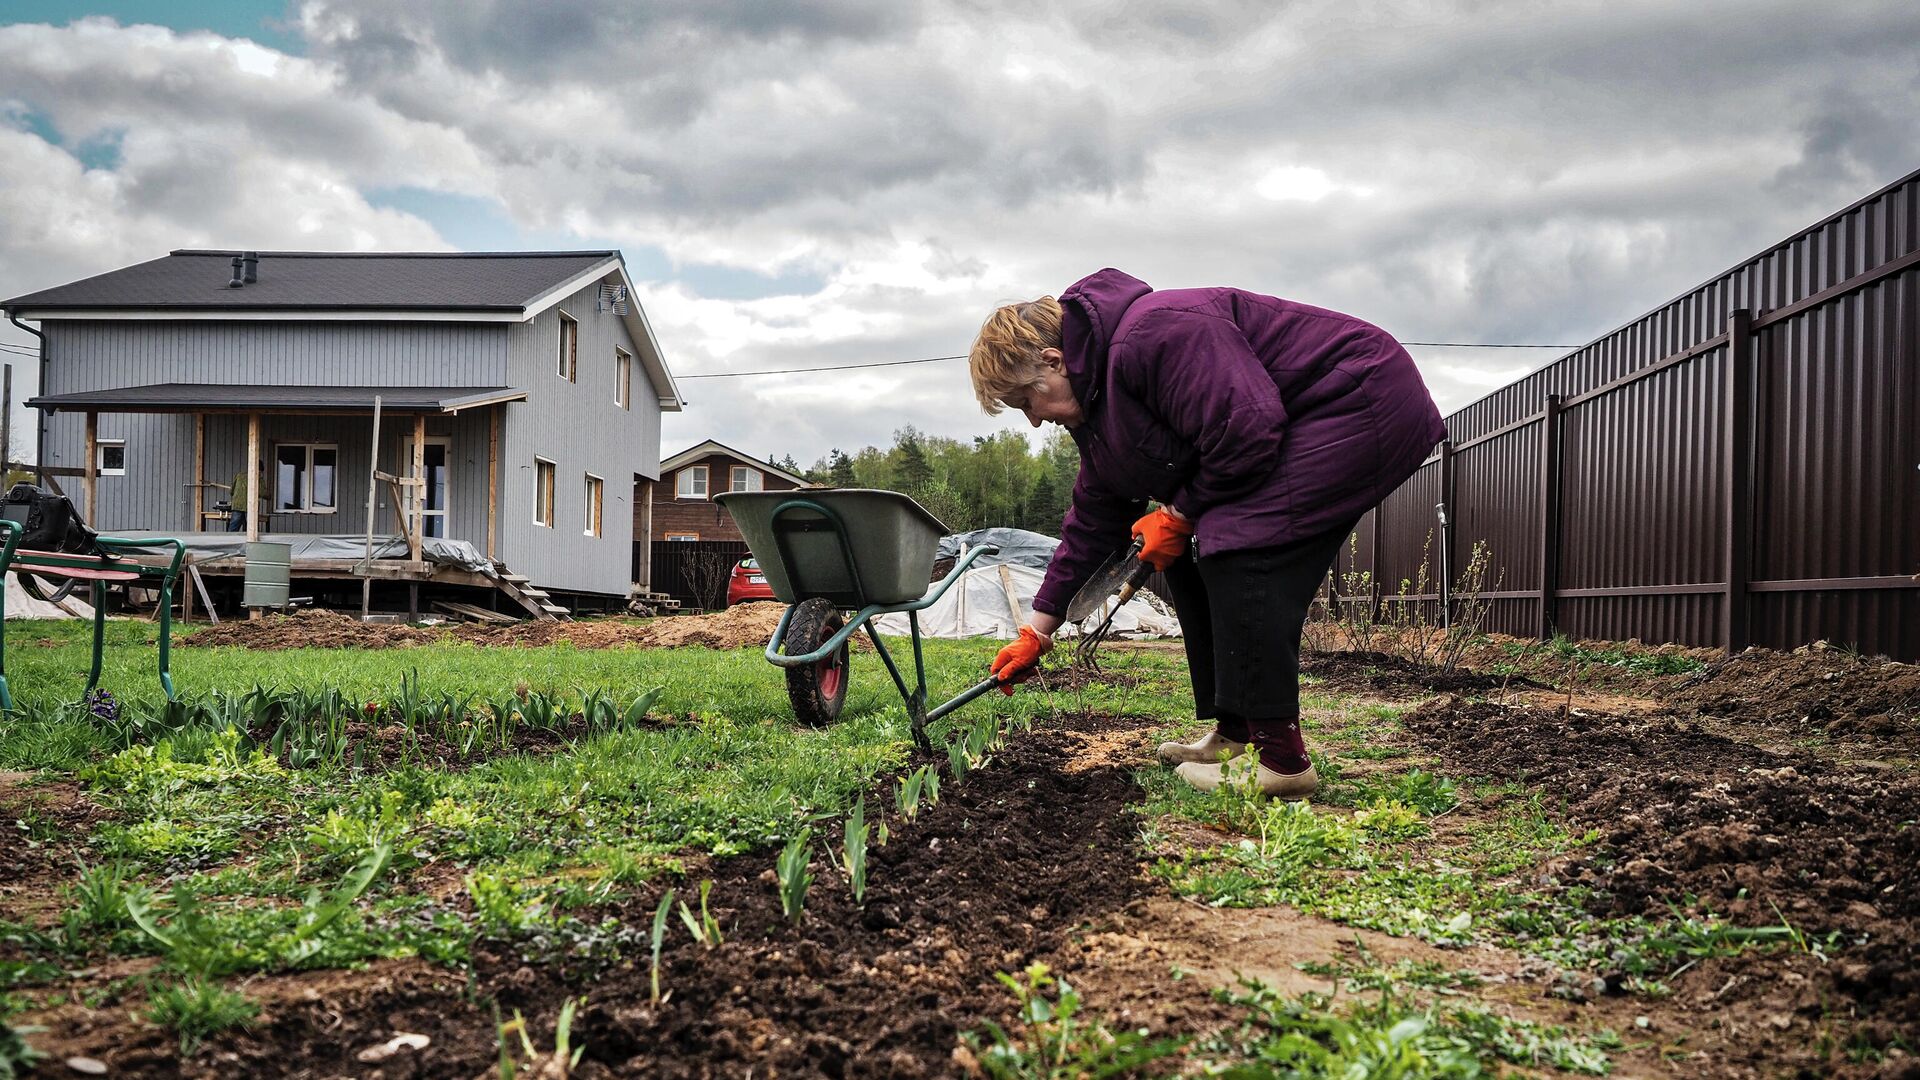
{"points": [[196, 1008], [1053, 1041]]}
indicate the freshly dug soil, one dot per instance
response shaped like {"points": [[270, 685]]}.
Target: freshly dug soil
{"points": [[1814, 687], [1698, 822], [1384, 675], [995, 875], [747, 625]]}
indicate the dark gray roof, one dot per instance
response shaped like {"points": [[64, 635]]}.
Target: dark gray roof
{"points": [[326, 281], [202, 397]]}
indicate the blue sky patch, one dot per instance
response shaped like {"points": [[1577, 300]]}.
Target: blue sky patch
{"points": [[269, 22]]}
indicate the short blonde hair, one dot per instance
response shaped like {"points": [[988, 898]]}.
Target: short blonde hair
{"points": [[1005, 357]]}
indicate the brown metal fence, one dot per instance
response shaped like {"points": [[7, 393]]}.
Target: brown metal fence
{"points": [[694, 572], [1740, 466]]}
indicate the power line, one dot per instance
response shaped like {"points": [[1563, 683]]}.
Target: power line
{"points": [[937, 359]]}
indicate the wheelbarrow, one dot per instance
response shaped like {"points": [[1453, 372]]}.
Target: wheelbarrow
{"points": [[830, 551]]}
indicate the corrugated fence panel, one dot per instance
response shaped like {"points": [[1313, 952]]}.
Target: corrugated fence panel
{"points": [[1496, 500], [1641, 493], [1835, 452], [1409, 531]]}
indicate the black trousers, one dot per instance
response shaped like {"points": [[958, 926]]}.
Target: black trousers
{"points": [[1241, 614]]}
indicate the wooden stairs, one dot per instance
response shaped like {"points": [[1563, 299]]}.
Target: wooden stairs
{"points": [[538, 602]]}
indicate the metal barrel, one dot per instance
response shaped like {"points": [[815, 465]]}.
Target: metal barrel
{"points": [[269, 567]]}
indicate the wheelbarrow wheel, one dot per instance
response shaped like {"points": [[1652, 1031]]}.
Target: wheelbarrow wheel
{"points": [[817, 690]]}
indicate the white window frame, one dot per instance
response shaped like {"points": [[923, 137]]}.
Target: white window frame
{"points": [[569, 348], [755, 480], [681, 537], [685, 491], [593, 519], [307, 504], [622, 378], [100, 457], [544, 477]]}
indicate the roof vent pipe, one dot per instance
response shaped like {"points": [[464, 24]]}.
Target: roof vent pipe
{"points": [[237, 280], [252, 261]]}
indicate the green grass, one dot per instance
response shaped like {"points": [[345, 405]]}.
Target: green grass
{"points": [[218, 841]]}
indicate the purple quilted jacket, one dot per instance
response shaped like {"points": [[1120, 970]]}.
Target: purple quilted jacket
{"points": [[1264, 420]]}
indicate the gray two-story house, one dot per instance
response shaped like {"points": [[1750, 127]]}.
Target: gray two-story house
{"points": [[221, 394]]}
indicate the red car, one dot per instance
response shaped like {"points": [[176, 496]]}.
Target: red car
{"points": [[747, 583]]}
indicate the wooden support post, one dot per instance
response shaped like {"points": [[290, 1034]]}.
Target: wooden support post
{"points": [[90, 473], [1736, 617], [196, 523], [419, 490], [493, 477], [1549, 512], [253, 478]]}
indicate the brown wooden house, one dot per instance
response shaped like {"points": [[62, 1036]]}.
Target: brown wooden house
{"points": [[679, 507]]}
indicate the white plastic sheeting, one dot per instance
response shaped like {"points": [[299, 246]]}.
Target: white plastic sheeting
{"points": [[994, 601], [21, 605]]}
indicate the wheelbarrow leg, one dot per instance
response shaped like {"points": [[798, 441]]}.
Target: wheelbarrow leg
{"points": [[915, 699]]}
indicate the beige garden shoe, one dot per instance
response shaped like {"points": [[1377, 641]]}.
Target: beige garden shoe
{"points": [[1274, 785], [1208, 750]]}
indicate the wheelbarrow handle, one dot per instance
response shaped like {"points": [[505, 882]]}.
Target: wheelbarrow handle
{"points": [[984, 686]]}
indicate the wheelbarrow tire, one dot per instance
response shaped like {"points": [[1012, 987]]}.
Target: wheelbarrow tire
{"points": [[818, 691]]}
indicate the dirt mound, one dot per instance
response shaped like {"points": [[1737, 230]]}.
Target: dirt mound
{"points": [[1839, 692], [1383, 674], [1692, 821], [311, 628], [735, 628]]}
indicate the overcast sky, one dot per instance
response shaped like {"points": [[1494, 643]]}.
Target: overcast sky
{"points": [[829, 182]]}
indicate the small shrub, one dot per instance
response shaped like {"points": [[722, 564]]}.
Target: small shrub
{"points": [[197, 1008]]}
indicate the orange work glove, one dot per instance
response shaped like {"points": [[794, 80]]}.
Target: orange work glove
{"points": [[1021, 658], [1163, 537]]}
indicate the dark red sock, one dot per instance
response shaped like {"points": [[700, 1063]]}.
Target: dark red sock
{"points": [[1231, 726], [1282, 748]]}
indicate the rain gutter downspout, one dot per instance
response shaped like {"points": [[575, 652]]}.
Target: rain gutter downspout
{"points": [[40, 415]]}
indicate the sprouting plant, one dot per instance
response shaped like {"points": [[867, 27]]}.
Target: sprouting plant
{"points": [[906, 796], [1431, 794], [597, 709], [794, 875], [16, 1055], [636, 711], [196, 1008], [705, 929], [555, 1066], [1055, 1042], [958, 760], [855, 851], [931, 785], [659, 938], [100, 898]]}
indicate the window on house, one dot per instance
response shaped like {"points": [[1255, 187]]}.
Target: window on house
{"points": [[303, 478], [594, 489], [683, 537], [569, 348], [745, 479], [543, 492], [691, 483], [112, 459], [623, 378]]}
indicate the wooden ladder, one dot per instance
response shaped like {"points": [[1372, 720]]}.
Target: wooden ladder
{"points": [[538, 602]]}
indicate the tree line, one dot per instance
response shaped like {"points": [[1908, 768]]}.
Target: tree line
{"points": [[990, 480]]}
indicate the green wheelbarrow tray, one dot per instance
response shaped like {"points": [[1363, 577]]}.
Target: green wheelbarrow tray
{"points": [[826, 551]]}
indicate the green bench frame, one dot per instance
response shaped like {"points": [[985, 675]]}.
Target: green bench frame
{"points": [[111, 566]]}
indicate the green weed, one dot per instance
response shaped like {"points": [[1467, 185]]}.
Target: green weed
{"points": [[196, 1008], [1054, 1041], [794, 876]]}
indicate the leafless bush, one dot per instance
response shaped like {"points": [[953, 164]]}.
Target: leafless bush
{"points": [[1471, 606], [705, 574], [1321, 632], [1418, 628], [1353, 604]]}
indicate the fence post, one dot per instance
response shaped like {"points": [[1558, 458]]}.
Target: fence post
{"points": [[1445, 515], [1737, 463], [1373, 601], [1549, 512]]}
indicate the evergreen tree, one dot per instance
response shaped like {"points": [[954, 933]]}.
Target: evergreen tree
{"points": [[840, 470]]}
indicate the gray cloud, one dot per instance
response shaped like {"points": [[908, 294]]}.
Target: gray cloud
{"points": [[1455, 169]]}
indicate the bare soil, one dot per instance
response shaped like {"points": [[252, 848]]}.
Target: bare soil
{"points": [[735, 628], [1811, 689]]}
